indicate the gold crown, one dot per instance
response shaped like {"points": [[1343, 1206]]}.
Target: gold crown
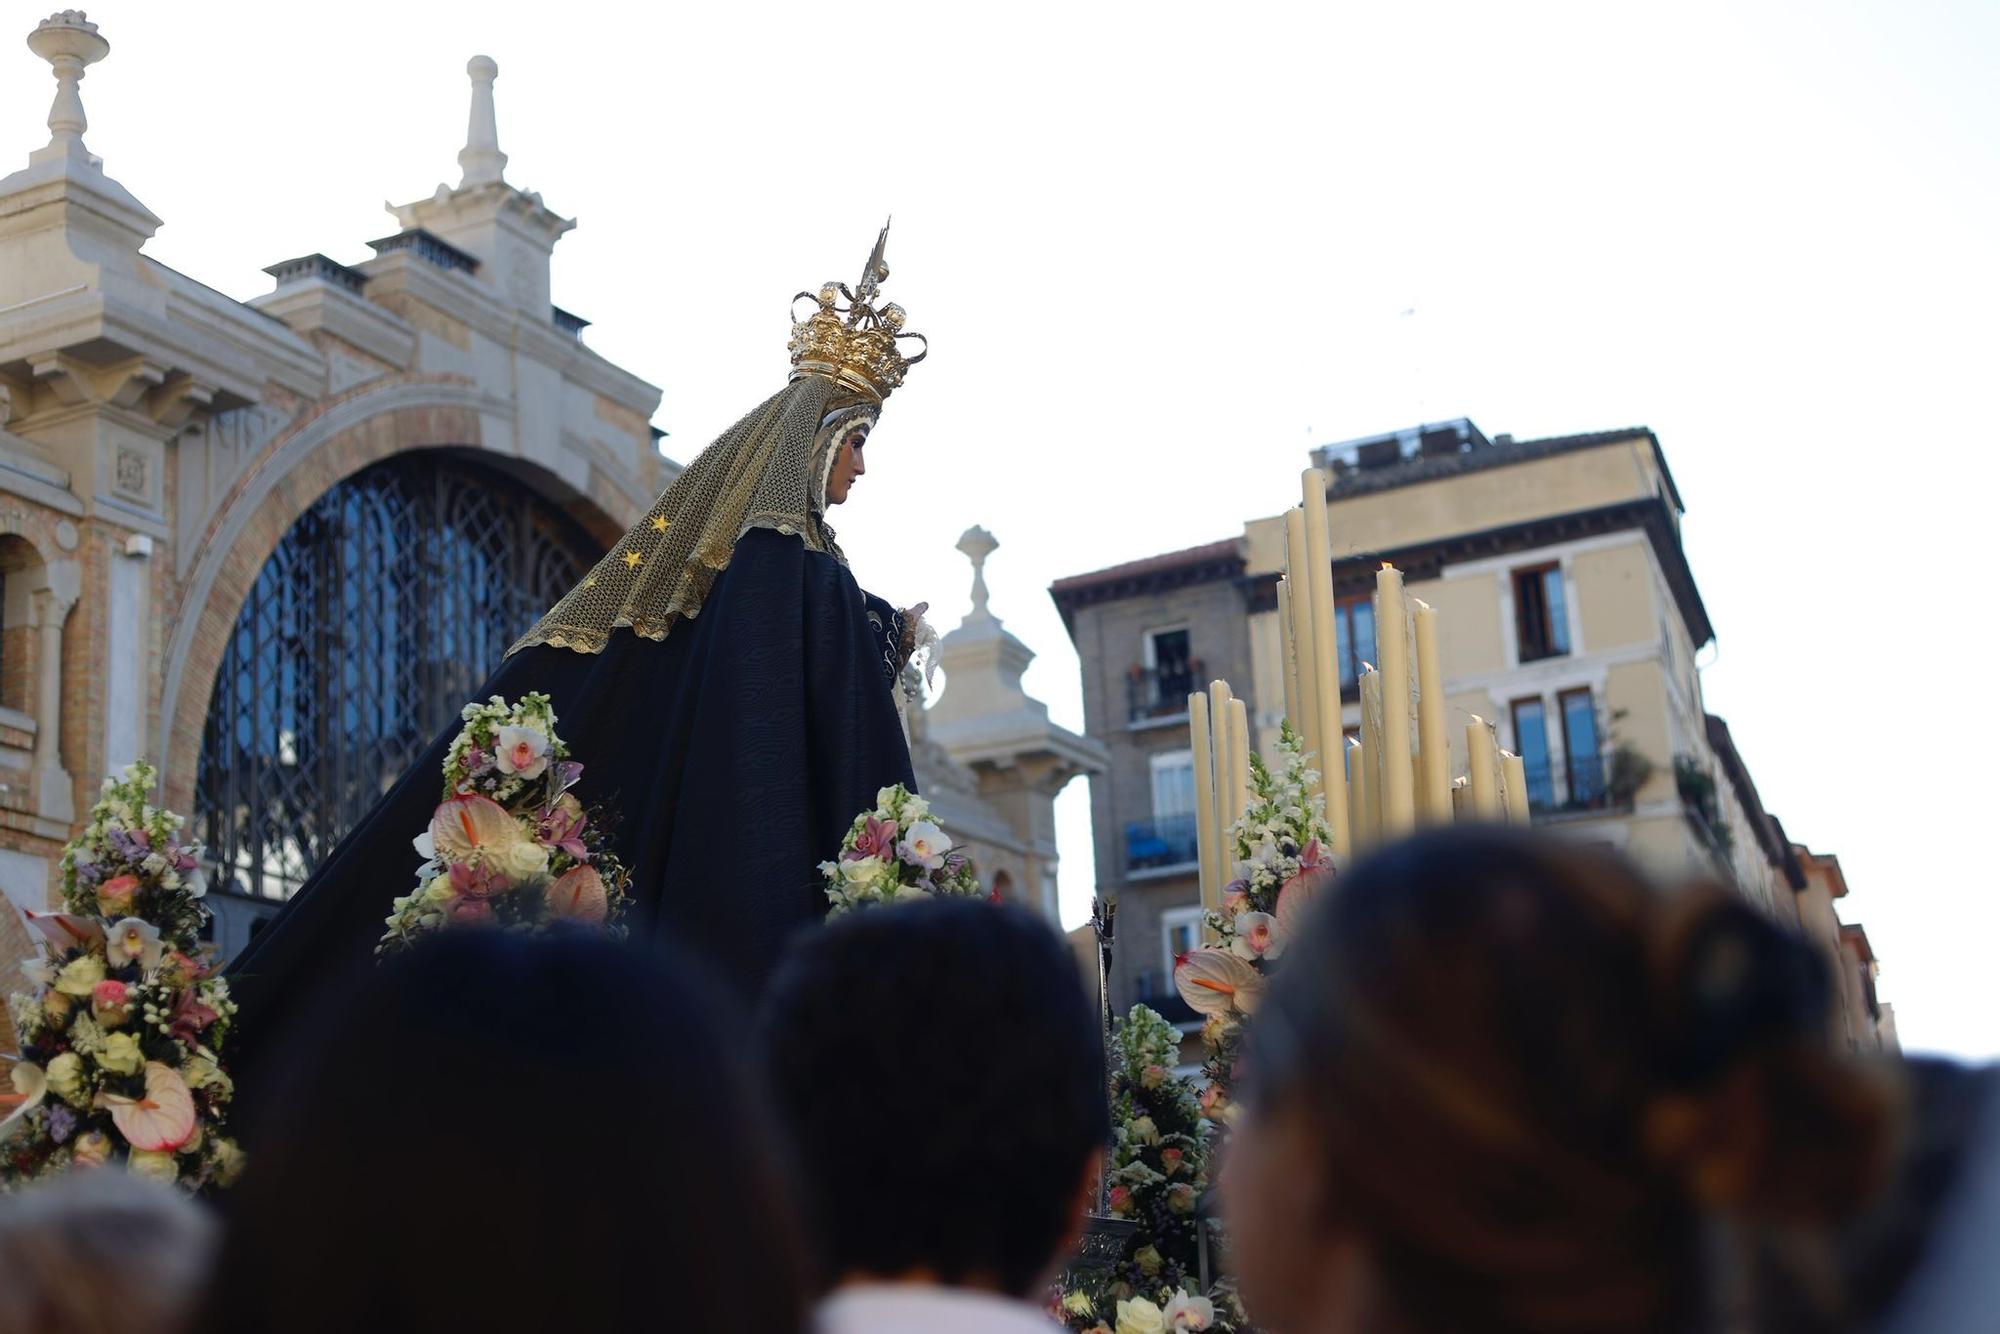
{"points": [[855, 344]]}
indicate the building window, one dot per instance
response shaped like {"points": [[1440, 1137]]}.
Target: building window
{"points": [[1168, 839], [1354, 633], [1161, 686], [375, 617], [1531, 743], [1581, 748], [1180, 931], [1541, 613]]}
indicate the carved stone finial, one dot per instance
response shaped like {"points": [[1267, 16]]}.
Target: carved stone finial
{"points": [[70, 43], [977, 544], [481, 158]]}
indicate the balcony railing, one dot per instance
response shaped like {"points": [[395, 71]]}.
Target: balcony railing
{"points": [[1585, 785], [1160, 692], [1152, 845]]}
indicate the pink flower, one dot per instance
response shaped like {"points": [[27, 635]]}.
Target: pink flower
{"points": [[1121, 1201], [1235, 894], [469, 912], [562, 827], [114, 896], [876, 839], [190, 1018], [108, 994], [1170, 1160], [475, 881], [1213, 1100]]}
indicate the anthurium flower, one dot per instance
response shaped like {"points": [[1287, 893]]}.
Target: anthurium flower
{"points": [[471, 828], [578, 895], [160, 1121], [67, 931], [1214, 981], [134, 940], [32, 1083], [1315, 874]]}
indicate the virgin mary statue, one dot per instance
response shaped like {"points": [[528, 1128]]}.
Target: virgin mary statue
{"points": [[729, 688]]}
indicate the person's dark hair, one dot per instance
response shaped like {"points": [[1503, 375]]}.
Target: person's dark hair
{"points": [[500, 1132], [940, 1073], [1533, 1076]]}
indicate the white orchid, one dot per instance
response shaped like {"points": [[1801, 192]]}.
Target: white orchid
{"points": [[1184, 1311], [925, 845], [521, 751], [1254, 935], [134, 940]]}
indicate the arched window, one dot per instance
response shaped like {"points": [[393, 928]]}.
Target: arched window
{"points": [[1003, 887], [386, 604]]}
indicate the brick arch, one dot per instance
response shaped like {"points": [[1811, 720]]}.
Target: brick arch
{"points": [[308, 460]]}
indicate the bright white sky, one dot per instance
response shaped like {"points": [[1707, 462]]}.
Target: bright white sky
{"points": [[1161, 249]]}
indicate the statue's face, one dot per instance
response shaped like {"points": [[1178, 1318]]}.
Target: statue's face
{"points": [[848, 463]]}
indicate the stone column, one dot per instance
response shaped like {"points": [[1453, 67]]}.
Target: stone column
{"points": [[55, 798]]}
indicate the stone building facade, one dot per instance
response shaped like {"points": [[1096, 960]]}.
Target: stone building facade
{"points": [[270, 546], [1568, 616]]}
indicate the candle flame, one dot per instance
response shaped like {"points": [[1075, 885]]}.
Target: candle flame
{"points": [[1354, 743], [1420, 604], [1367, 667], [1478, 721], [1387, 566]]}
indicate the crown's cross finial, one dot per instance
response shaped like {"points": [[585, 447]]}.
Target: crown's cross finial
{"points": [[976, 545], [481, 157], [69, 42]]}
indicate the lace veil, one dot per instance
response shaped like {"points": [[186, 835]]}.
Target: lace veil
{"points": [[769, 470]]}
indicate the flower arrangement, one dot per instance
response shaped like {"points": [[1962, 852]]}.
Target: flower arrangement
{"points": [[121, 1032], [1177, 1310], [1157, 1173], [1280, 850], [510, 845], [896, 853]]}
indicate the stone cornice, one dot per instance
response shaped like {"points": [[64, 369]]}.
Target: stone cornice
{"points": [[1353, 575], [465, 298]]}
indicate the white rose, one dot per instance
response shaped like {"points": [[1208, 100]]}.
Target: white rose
{"points": [[862, 870], [1144, 1131], [158, 1166], [65, 1077], [526, 860], [80, 975], [1139, 1316]]}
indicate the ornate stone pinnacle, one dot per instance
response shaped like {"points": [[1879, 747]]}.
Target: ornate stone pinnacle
{"points": [[977, 544], [69, 42], [481, 158]]}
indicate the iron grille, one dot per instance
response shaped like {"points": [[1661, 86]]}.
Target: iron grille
{"points": [[365, 632]]}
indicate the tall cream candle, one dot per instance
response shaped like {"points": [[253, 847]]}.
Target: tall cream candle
{"points": [[1514, 787], [1326, 663], [1239, 759], [1433, 746], [1298, 578], [1482, 766], [1288, 654], [1357, 792], [1207, 844], [1392, 645], [1219, 696]]}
